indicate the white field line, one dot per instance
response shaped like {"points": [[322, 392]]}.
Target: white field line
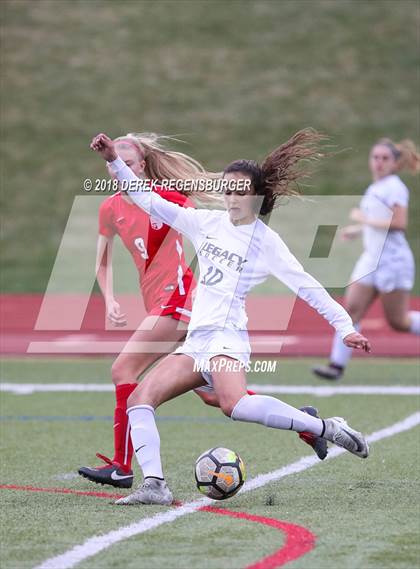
{"points": [[93, 344], [323, 391], [328, 391], [98, 543], [28, 388], [66, 476]]}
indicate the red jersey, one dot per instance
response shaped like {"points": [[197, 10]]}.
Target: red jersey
{"points": [[157, 250]]}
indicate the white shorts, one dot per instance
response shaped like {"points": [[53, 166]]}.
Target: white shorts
{"points": [[202, 345], [395, 271]]}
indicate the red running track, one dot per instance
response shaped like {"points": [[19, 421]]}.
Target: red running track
{"points": [[278, 325]]}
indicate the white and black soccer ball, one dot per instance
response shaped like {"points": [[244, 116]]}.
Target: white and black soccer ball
{"points": [[219, 473]]}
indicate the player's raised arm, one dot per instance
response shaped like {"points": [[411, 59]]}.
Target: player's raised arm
{"points": [[182, 219], [288, 270]]}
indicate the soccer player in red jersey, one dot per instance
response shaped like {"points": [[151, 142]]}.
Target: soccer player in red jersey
{"points": [[165, 279]]}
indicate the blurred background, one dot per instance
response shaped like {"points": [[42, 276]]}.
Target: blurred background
{"points": [[231, 79]]}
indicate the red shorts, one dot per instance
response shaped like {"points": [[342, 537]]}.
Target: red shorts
{"points": [[179, 308]]}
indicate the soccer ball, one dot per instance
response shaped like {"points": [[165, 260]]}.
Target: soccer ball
{"points": [[219, 473]]}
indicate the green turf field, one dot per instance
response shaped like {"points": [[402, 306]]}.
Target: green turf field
{"points": [[364, 513], [232, 78]]}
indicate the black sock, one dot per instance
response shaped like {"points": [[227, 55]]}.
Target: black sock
{"points": [[336, 366]]}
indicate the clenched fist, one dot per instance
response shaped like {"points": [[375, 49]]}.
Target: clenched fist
{"points": [[104, 145]]}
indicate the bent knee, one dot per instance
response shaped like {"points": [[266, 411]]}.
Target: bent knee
{"points": [[125, 371], [119, 373], [399, 325]]}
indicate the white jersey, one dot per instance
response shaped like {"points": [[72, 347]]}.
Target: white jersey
{"points": [[232, 260], [387, 262], [377, 203]]}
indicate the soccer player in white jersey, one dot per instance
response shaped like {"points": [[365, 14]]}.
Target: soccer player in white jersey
{"points": [[236, 250], [386, 266]]}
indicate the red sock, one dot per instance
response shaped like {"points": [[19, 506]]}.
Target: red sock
{"points": [[250, 392], [123, 448]]}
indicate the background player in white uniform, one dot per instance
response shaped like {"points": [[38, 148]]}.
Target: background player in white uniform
{"points": [[386, 267], [236, 251]]}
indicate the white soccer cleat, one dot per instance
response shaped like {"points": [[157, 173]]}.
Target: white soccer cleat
{"points": [[152, 491], [338, 432]]}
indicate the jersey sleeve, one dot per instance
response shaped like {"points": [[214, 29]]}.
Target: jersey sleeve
{"points": [[397, 193], [183, 219], [105, 219], [174, 196], [284, 266]]}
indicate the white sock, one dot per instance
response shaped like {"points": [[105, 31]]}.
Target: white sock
{"points": [[272, 412], [414, 322], [340, 353], [145, 439]]}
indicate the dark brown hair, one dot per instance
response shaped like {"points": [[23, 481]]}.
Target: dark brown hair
{"points": [[281, 170]]}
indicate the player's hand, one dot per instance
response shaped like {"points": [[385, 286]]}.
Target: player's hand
{"points": [[357, 341], [350, 232], [114, 314], [357, 215], [104, 145]]}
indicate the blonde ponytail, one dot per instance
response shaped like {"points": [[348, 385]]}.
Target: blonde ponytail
{"points": [[164, 164], [405, 153]]}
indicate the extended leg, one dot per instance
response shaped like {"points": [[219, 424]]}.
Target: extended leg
{"points": [[397, 313], [272, 412], [358, 299]]}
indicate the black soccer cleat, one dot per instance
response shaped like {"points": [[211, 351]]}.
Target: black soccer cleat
{"points": [[319, 445], [111, 473], [332, 372]]}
